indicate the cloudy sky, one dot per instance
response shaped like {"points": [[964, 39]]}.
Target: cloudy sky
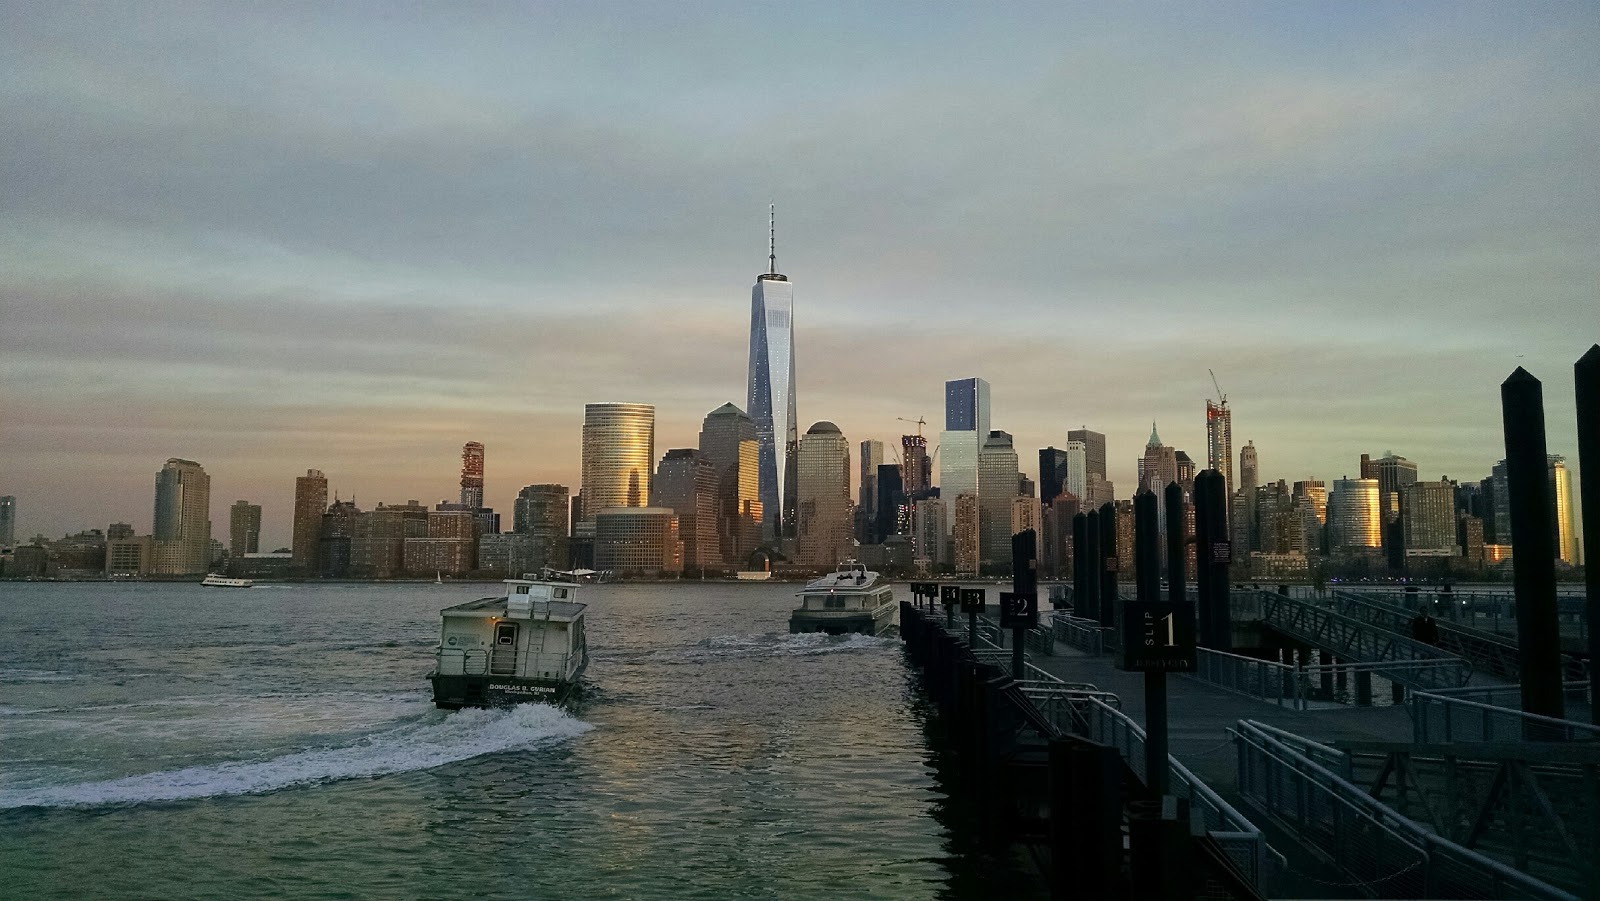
{"points": [[352, 236]]}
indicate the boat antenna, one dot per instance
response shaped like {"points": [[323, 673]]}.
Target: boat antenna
{"points": [[772, 238]]}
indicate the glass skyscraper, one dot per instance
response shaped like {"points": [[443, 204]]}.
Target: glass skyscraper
{"points": [[966, 406], [619, 449], [772, 404]]}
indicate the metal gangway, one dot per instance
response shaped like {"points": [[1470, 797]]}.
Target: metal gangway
{"points": [[1490, 653], [1350, 638]]}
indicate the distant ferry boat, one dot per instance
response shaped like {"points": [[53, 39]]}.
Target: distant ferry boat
{"points": [[753, 575], [849, 600], [525, 645], [212, 580]]}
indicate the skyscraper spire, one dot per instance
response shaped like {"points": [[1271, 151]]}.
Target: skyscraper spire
{"points": [[772, 238]]}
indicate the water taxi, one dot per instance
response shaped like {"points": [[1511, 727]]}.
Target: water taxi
{"points": [[525, 645], [212, 580], [851, 599]]}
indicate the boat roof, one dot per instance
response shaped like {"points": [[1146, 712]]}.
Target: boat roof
{"points": [[849, 577], [497, 605]]}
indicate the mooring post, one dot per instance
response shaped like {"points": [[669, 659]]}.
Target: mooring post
{"points": [[1093, 562], [1080, 545], [1533, 546], [1213, 553], [1108, 567], [1147, 587], [1096, 820], [1146, 547], [1177, 557], [1586, 373], [1063, 808], [1022, 613]]}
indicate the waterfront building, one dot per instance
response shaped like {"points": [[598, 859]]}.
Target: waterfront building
{"points": [[1125, 548], [772, 395], [686, 483], [472, 476], [1026, 513], [728, 442], [823, 497], [1097, 492], [244, 529], [966, 406], [637, 541], [377, 547], [1075, 482], [129, 555], [333, 550], [1311, 499], [118, 530], [1185, 472], [964, 539], [1219, 442], [931, 531], [915, 479], [450, 546], [182, 530], [1428, 514], [310, 501], [1354, 517], [8, 520], [619, 448], [867, 488], [1055, 542], [1158, 468], [540, 512], [1281, 525], [508, 555], [997, 486]]}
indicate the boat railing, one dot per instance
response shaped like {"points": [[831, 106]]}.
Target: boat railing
{"points": [[462, 662]]}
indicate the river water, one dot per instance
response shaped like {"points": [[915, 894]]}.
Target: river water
{"points": [[172, 741]]}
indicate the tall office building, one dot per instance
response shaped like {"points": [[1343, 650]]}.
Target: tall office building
{"points": [[244, 529], [892, 515], [1094, 451], [997, 485], [1052, 474], [619, 447], [686, 483], [541, 512], [8, 521], [182, 531], [1249, 469], [1566, 539], [772, 401], [1186, 471], [1157, 469], [1429, 518], [966, 406], [1076, 483], [930, 531], [867, 486], [472, 475], [1354, 517], [1311, 498], [915, 479], [822, 521], [1219, 442], [310, 502], [964, 534], [958, 465], [728, 442]]}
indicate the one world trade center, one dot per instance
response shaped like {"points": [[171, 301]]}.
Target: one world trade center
{"points": [[772, 392]]}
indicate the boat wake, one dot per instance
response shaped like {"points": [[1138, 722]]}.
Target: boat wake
{"points": [[434, 740]]}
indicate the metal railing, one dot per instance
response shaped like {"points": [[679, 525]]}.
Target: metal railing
{"points": [[1495, 654], [1436, 719], [1263, 680], [1087, 635], [1388, 855], [1354, 640], [1239, 838]]}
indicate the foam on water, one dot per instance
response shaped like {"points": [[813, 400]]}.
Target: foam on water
{"points": [[431, 741]]}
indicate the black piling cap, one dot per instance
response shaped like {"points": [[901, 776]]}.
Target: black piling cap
{"points": [[1590, 360], [1519, 377]]}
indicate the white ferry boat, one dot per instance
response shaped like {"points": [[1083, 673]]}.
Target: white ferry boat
{"points": [[212, 580], [525, 645], [849, 600]]}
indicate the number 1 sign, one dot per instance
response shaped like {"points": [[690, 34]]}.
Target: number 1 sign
{"points": [[1158, 637]]}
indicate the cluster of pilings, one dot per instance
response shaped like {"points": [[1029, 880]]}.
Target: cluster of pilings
{"points": [[1103, 832], [1533, 549]]}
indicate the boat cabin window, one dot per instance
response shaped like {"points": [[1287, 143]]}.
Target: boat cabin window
{"points": [[522, 589], [835, 603], [560, 592], [505, 634]]}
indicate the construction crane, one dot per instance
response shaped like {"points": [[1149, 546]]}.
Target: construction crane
{"points": [[1222, 399], [920, 422]]}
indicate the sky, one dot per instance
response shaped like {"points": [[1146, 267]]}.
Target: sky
{"points": [[354, 236]]}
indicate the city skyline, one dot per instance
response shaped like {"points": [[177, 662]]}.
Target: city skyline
{"points": [[1341, 204]]}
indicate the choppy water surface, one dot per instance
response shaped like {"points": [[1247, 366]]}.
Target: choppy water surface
{"points": [[178, 742]]}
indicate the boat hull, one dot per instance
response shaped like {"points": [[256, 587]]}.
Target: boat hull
{"points": [[876, 622], [456, 692]]}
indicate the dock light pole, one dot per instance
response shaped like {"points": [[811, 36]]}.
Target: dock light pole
{"points": [[1532, 546], [1586, 373], [1177, 559]]}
